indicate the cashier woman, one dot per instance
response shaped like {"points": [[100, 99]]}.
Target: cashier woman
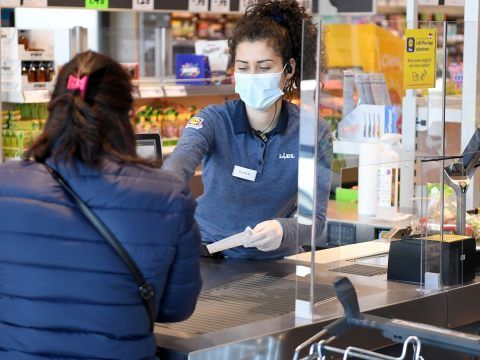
{"points": [[249, 148]]}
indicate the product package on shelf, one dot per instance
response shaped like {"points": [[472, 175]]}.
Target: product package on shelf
{"points": [[217, 55], [27, 65], [168, 120], [30, 45], [374, 114], [368, 123], [192, 69], [371, 88], [20, 127]]}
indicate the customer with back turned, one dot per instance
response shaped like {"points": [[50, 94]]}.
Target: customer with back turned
{"points": [[65, 292], [249, 148]]}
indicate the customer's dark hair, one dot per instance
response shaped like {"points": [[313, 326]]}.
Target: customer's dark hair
{"points": [[92, 126], [284, 24]]}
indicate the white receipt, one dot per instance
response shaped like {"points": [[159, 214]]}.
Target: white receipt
{"points": [[230, 242]]}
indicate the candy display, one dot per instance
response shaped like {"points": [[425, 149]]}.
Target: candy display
{"points": [[192, 69], [167, 119]]}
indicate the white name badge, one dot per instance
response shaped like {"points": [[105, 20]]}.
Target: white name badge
{"points": [[244, 173]]}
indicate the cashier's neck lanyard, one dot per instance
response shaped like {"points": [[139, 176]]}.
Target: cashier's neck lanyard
{"points": [[262, 134]]}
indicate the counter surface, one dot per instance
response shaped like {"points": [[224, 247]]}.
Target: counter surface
{"points": [[348, 212], [280, 334]]}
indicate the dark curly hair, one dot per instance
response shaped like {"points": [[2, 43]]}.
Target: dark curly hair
{"points": [[96, 125], [284, 24]]}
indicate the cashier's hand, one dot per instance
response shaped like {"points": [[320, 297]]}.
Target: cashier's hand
{"points": [[267, 236]]}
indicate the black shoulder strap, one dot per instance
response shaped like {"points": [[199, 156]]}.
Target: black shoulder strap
{"points": [[146, 290]]}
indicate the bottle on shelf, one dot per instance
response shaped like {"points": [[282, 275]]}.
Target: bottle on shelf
{"points": [[25, 67], [388, 178], [50, 71], [42, 73], [22, 39], [32, 72]]}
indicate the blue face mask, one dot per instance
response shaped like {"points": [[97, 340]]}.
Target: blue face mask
{"points": [[259, 91]]}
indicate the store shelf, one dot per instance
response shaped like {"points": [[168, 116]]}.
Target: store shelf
{"points": [[454, 39], [430, 110], [177, 90], [390, 9], [153, 92], [26, 97], [447, 10], [122, 5], [345, 147], [184, 42]]}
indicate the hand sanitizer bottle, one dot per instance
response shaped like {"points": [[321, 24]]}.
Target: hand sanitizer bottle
{"points": [[388, 174]]}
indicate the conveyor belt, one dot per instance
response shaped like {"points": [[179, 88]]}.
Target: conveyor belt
{"points": [[359, 269], [255, 298]]}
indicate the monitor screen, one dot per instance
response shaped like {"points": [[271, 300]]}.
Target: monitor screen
{"points": [[148, 146]]}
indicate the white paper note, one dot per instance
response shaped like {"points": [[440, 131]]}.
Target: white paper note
{"points": [[230, 242]]}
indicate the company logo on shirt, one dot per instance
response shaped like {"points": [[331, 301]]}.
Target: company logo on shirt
{"points": [[195, 123], [286, 156]]}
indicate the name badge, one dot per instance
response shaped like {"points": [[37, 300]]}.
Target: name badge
{"points": [[244, 173]]}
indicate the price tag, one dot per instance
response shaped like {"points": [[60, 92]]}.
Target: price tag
{"points": [[220, 6], [144, 5], [9, 3], [36, 96], [455, 2], [146, 93], [175, 91], [96, 4], [243, 4], [35, 3], [428, 2], [198, 5]]}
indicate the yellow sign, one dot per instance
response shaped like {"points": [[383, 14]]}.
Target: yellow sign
{"points": [[419, 66], [370, 48]]}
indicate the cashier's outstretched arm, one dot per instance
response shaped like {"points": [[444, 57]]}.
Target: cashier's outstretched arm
{"points": [[197, 141]]}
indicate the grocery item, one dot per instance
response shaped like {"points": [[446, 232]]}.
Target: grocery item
{"points": [[23, 39], [32, 72], [42, 73], [168, 120], [21, 126], [50, 71]]}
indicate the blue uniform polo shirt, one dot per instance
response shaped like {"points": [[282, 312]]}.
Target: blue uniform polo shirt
{"points": [[221, 138]]}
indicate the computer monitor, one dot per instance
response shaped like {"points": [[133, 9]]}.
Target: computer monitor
{"points": [[149, 146]]}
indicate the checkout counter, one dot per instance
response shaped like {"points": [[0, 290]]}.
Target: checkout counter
{"points": [[247, 309]]}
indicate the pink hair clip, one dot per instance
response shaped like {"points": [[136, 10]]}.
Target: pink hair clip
{"points": [[78, 83]]}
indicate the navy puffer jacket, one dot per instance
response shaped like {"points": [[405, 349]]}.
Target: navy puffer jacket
{"points": [[64, 293]]}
